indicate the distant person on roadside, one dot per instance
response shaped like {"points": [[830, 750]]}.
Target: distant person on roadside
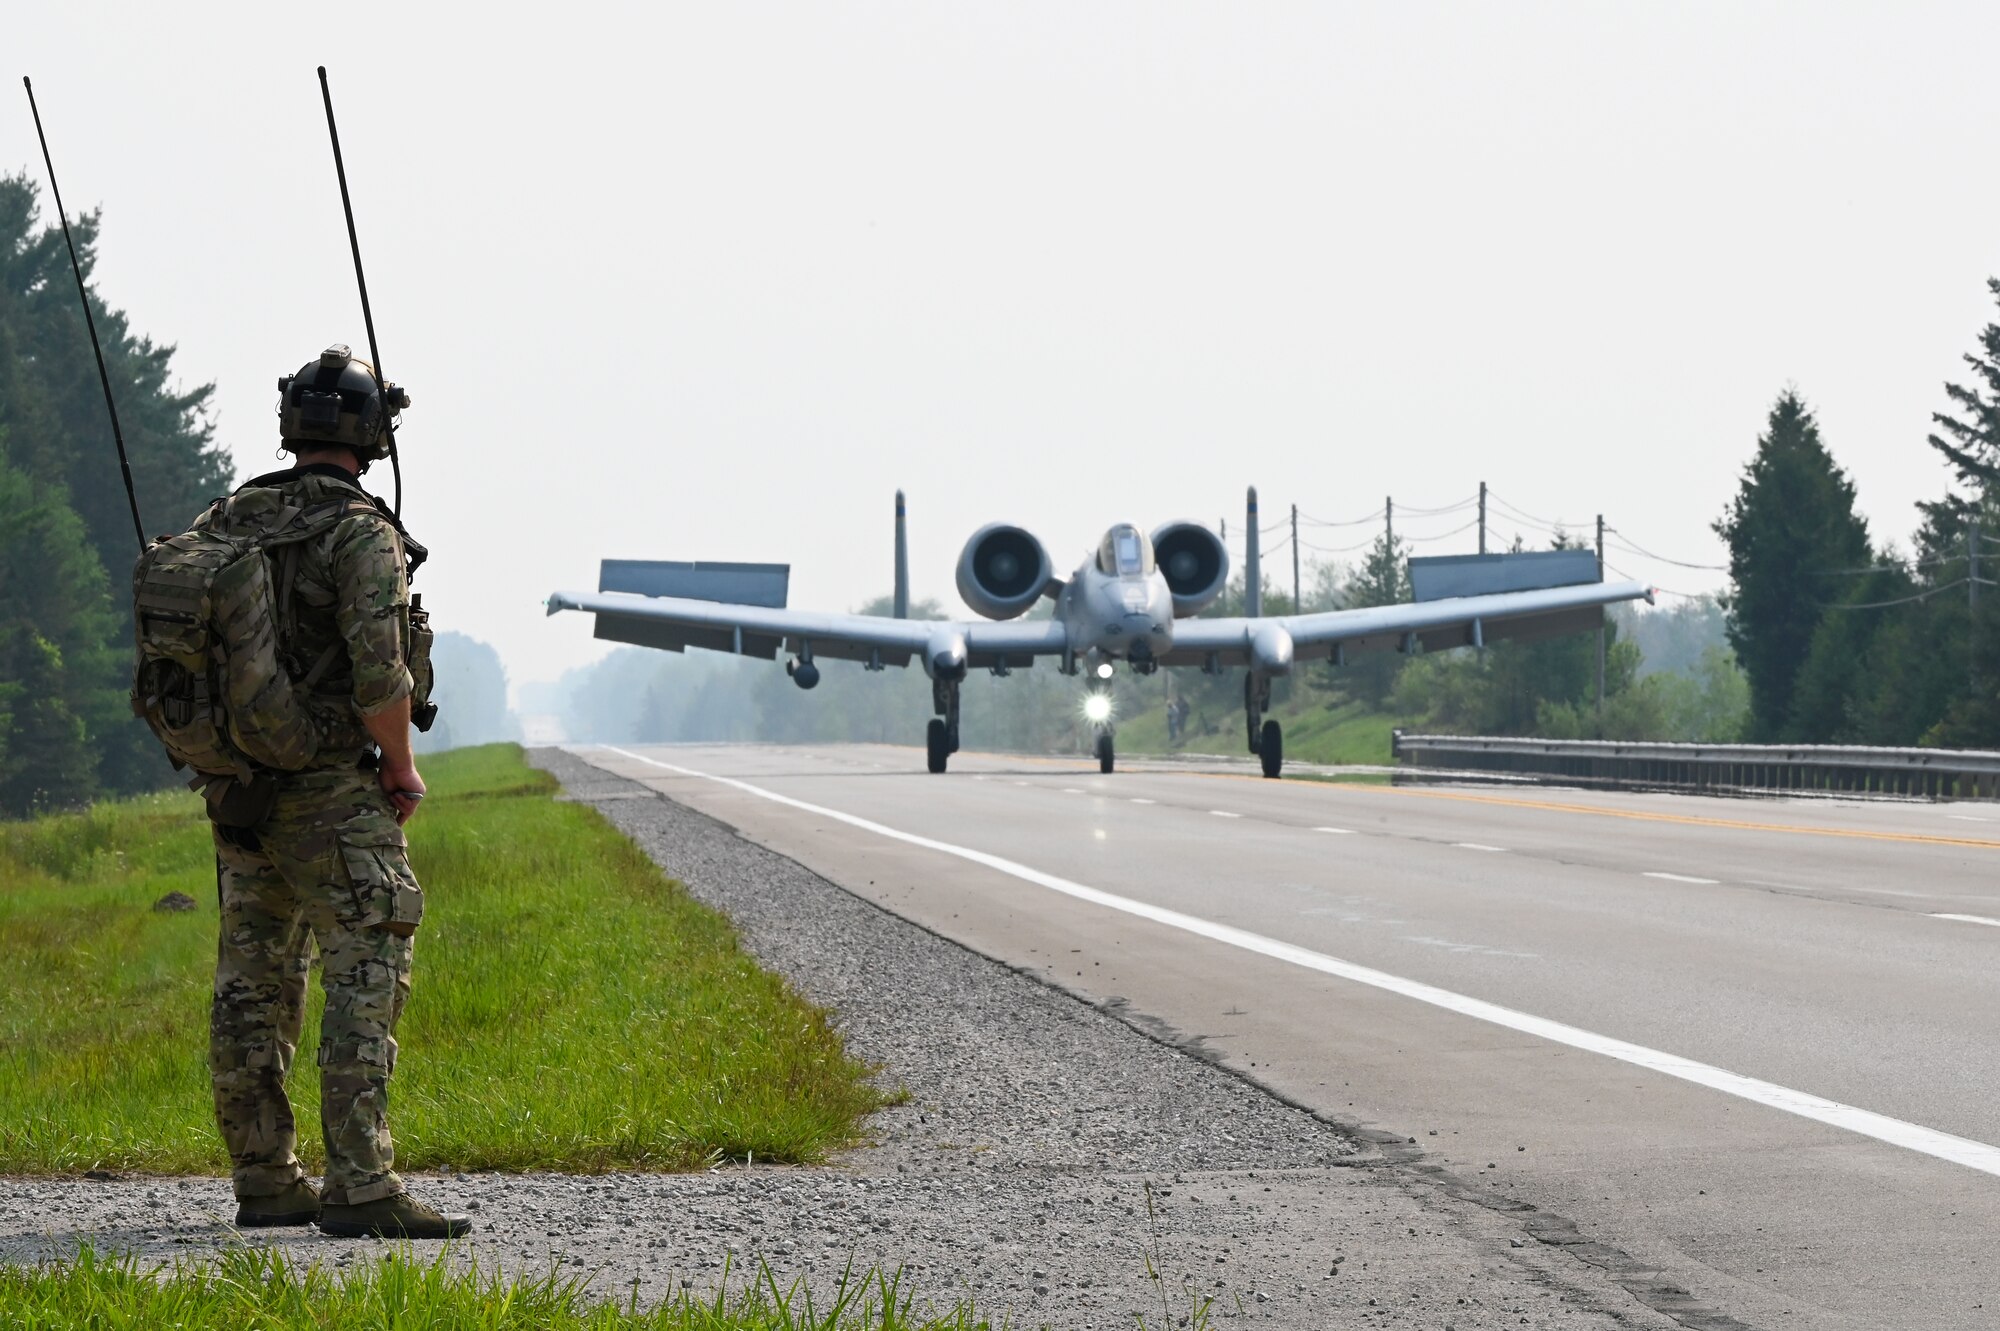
{"points": [[309, 842]]}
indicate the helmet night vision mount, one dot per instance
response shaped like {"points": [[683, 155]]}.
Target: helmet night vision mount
{"points": [[339, 399]]}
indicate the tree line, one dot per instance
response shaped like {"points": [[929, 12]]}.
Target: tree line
{"points": [[67, 734], [1850, 639]]}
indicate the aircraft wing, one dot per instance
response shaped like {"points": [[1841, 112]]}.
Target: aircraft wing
{"points": [[675, 623], [1461, 621]]}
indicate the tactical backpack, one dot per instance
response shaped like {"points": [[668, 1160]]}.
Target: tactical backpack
{"points": [[209, 608]]}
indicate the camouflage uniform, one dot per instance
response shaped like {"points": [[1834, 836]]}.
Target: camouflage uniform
{"points": [[327, 865]]}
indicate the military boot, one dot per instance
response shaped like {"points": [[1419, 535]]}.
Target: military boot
{"points": [[298, 1204], [399, 1217]]}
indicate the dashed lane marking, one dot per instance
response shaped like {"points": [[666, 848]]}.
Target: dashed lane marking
{"points": [[1970, 919], [1978, 1155], [1684, 878], [1337, 831], [1072, 790], [1223, 813], [1474, 845], [1140, 801]]}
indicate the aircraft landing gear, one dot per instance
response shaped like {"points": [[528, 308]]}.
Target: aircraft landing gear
{"points": [[1105, 756], [1267, 738], [1271, 749], [941, 738]]}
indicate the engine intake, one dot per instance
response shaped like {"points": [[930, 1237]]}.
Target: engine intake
{"points": [[1195, 563], [1002, 571]]}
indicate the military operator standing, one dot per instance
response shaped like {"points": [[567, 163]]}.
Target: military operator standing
{"points": [[295, 711]]}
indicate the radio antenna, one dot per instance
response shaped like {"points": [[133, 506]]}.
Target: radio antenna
{"points": [[83, 294], [361, 280]]}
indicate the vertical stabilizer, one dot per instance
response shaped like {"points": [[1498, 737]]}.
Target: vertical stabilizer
{"points": [[1253, 568], [902, 598]]}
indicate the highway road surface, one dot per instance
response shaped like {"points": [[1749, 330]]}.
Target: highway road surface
{"points": [[1750, 1043]]}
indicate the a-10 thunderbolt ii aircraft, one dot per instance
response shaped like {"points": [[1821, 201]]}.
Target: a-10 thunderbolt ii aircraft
{"points": [[1136, 598]]}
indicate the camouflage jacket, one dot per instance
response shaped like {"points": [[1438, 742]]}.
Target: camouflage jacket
{"points": [[349, 586]]}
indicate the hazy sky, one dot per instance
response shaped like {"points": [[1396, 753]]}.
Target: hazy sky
{"points": [[712, 281]]}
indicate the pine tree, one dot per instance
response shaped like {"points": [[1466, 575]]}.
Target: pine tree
{"points": [[52, 406], [1971, 439], [1792, 522], [54, 432], [63, 682], [1382, 578]]}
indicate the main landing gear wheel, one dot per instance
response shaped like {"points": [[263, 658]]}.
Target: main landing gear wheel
{"points": [[1105, 760], [937, 745], [1271, 749]]}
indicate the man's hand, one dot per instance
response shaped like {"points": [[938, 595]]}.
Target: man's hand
{"points": [[390, 728], [404, 788]]}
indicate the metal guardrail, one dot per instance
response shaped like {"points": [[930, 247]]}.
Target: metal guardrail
{"points": [[1826, 768]]}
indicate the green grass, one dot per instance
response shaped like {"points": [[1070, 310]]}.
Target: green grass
{"points": [[572, 1008], [1316, 731], [261, 1290]]}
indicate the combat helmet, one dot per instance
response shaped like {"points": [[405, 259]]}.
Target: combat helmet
{"points": [[339, 399]]}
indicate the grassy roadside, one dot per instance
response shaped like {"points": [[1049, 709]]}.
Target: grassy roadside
{"points": [[253, 1288], [572, 1008], [1316, 731], [263, 1290]]}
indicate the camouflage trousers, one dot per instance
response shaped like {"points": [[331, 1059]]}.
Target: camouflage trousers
{"points": [[328, 866]]}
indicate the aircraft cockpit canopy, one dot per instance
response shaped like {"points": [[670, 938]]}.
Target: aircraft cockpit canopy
{"points": [[1126, 552]]}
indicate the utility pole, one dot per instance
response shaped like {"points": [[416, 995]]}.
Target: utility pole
{"points": [[1298, 606], [1482, 517], [1389, 528], [1972, 605], [1600, 631]]}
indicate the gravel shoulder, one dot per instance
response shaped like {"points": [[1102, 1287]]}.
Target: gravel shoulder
{"points": [[1048, 1158]]}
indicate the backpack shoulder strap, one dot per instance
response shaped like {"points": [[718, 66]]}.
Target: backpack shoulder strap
{"points": [[284, 545]]}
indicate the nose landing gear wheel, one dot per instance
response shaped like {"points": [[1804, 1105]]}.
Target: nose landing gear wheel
{"points": [[1271, 749], [937, 745], [1104, 754]]}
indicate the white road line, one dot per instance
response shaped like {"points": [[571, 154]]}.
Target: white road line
{"points": [[1683, 878], [1072, 790], [1970, 919], [1474, 845], [1912, 1136], [1337, 831], [1223, 813], [1140, 801]]}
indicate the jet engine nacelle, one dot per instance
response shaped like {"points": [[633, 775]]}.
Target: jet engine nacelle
{"points": [[1194, 562], [1002, 571]]}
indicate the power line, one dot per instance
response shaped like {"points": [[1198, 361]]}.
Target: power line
{"points": [[1376, 516], [1442, 536], [1337, 550], [1890, 568], [1461, 505], [1626, 543], [1546, 524], [1906, 600]]}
